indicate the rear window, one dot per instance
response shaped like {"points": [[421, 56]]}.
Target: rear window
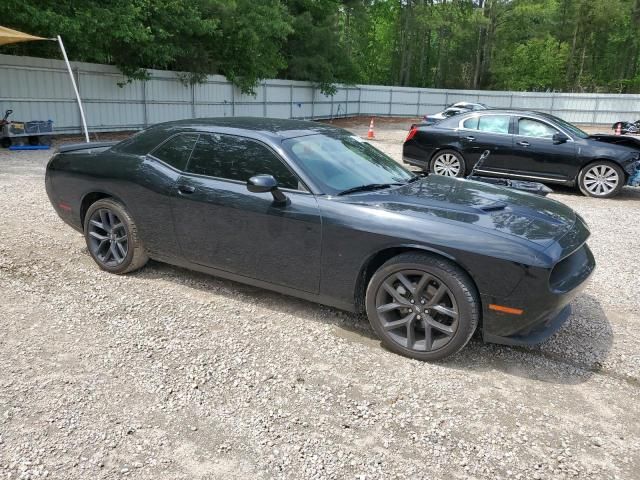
{"points": [[471, 123]]}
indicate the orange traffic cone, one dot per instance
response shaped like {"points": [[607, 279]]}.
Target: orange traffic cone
{"points": [[370, 134], [619, 128]]}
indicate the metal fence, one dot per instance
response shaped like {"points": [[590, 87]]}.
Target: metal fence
{"points": [[39, 89]]}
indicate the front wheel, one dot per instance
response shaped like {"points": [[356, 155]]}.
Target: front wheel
{"points": [[422, 307], [112, 237], [448, 163], [601, 180]]}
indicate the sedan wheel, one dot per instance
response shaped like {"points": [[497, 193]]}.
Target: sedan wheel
{"points": [[112, 237], [601, 180], [422, 307], [448, 163]]}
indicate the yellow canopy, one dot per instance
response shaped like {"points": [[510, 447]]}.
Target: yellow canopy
{"points": [[13, 36]]}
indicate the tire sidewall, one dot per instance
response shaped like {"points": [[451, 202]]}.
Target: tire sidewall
{"points": [[458, 155], [125, 219], [614, 192], [466, 323]]}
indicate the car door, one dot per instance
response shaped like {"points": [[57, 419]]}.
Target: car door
{"points": [[486, 132], [220, 224], [538, 155]]}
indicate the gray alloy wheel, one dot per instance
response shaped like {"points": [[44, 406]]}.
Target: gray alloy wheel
{"points": [[422, 306], [448, 163], [601, 180], [112, 237]]}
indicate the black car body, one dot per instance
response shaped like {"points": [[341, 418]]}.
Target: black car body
{"points": [[525, 145], [525, 257]]}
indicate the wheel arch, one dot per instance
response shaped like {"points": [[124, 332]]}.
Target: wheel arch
{"points": [[377, 259], [89, 199]]}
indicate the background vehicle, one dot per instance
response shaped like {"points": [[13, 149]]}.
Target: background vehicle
{"points": [[626, 128], [525, 145], [312, 211], [452, 110]]}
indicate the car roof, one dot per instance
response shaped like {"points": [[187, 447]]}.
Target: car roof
{"points": [[274, 128], [268, 130]]}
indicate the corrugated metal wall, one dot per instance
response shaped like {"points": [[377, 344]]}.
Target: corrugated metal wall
{"points": [[39, 89]]}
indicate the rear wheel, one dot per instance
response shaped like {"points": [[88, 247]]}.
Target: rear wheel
{"points": [[448, 163], [601, 180], [422, 306], [112, 237]]}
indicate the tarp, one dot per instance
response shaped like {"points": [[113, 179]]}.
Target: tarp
{"points": [[13, 36]]}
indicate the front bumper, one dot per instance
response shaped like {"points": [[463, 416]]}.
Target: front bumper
{"points": [[544, 296], [537, 335], [634, 179]]}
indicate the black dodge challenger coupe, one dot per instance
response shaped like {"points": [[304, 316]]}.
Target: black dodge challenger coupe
{"points": [[526, 145], [312, 211]]}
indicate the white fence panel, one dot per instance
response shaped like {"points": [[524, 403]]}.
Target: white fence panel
{"points": [[39, 89]]}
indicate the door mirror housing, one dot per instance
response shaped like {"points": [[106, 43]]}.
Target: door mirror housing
{"points": [[559, 138], [264, 184]]}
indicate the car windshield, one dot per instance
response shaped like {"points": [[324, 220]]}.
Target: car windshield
{"points": [[338, 164], [572, 129]]}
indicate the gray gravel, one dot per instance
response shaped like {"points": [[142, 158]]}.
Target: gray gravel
{"points": [[167, 373]]}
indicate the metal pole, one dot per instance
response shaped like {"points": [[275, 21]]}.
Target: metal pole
{"points": [[75, 89], [264, 100]]}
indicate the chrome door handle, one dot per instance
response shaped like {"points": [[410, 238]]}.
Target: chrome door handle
{"points": [[523, 143], [470, 138], [186, 189]]}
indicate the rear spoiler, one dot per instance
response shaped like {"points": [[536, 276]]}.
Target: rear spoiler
{"points": [[72, 147]]}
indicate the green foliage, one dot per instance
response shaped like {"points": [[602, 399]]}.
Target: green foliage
{"points": [[573, 45], [536, 65]]}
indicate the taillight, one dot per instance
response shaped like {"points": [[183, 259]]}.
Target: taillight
{"points": [[412, 133]]}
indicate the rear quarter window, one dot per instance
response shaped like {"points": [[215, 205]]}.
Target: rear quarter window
{"points": [[177, 150]]}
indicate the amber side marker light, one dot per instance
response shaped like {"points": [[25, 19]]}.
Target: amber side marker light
{"points": [[500, 308]]}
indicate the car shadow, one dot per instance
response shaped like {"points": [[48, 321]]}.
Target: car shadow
{"points": [[571, 356]]}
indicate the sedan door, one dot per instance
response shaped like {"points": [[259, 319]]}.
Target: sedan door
{"points": [[536, 153], [486, 132], [220, 224]]}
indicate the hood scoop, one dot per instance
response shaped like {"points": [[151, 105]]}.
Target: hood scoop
{"points": [[493, 207]]}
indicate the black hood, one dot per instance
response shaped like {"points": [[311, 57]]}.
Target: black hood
{"points": [[508, 211]]}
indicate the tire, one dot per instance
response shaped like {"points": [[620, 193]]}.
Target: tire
{"points": [[595, 180], [448, 163], [402, 327], [112, 237], [5, 142]]}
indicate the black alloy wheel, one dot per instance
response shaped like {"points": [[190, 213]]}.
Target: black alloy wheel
{"points": [[108, 238], [112, 237], [422, 306]]}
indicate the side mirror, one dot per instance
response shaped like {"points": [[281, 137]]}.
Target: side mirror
{"points": [[559, 138], [264, 184]]}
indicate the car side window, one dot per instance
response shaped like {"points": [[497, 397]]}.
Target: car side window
{"points": [[529, 127], [471, 123], [494, 123], [176, 150], [238, 158]]}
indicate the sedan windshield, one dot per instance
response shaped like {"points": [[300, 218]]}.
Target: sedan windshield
{"points": [[572, 129], [345, 164]]}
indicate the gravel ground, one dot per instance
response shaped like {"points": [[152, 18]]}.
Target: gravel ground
{"points": [[171, 374]]}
